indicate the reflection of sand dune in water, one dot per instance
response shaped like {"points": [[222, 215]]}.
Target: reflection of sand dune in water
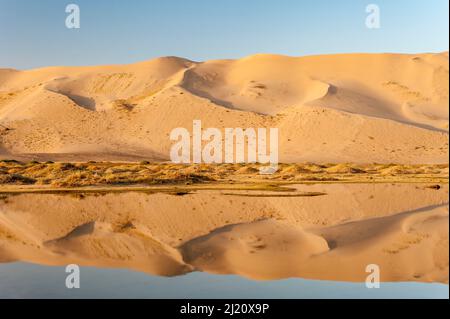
{"points": [[408, 246], [401, 228]]}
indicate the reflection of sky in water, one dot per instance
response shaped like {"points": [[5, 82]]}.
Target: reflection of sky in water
{"points": [[20, 280]]}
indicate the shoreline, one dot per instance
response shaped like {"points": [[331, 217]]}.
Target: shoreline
{"points": [[147, 176], [256, 234], [184, 190]]}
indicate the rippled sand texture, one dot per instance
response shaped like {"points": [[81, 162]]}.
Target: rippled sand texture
{"points": [[403, 228]]}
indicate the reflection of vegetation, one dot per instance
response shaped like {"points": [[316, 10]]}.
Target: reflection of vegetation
{"points": [[175, 190], [62, 176], [307, 194]]}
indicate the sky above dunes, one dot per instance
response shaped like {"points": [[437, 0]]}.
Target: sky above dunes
{"points": [[34, 34]]}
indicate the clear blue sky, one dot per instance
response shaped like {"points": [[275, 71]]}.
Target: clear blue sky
{"points": [[33, 33]]}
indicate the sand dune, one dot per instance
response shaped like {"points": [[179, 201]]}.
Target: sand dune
{"points": [[337, 108], [349, 109], [401, 227]]}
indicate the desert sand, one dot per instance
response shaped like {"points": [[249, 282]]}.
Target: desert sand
{"points": [[403, 228], [364, 108]]}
